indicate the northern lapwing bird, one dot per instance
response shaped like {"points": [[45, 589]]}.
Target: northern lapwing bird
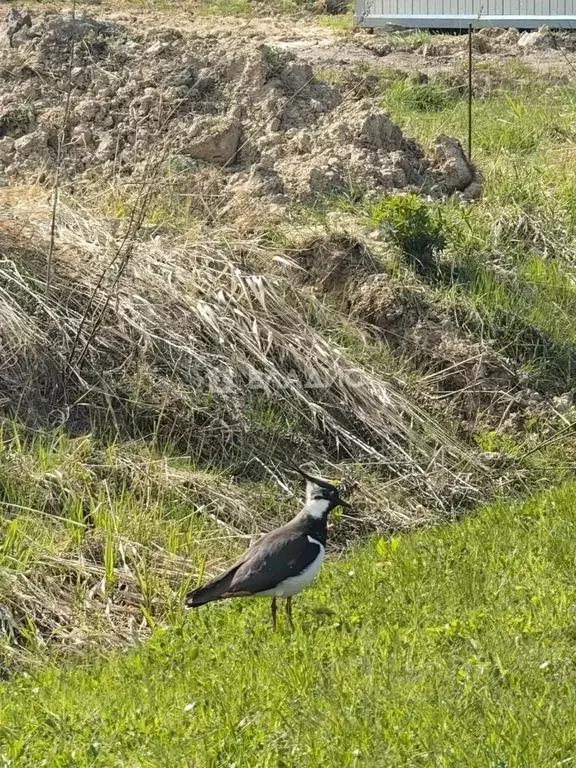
{"points": [[282, 562]]}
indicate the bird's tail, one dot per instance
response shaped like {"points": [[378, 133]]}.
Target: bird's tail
{"points": [[216, 589]]}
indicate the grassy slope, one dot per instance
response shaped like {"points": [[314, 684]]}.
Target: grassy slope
{"points": [[524, 144], [449, 647], [513, 252]]}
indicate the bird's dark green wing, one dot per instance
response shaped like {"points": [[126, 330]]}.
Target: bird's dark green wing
{"points": [[275, 558]]}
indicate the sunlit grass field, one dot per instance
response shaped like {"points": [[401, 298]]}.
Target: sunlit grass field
{"points": [[449, 647]]}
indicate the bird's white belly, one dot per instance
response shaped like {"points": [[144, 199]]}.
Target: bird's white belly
{"points": [[294, 584]]}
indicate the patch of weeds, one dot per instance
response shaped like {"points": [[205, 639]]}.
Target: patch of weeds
{"points": [[493, 79], [96, 45], [363, 79], [274, 60], [15, 122], [416, 227], [424, 97], [267, 415], [496, 442], [528, 326], [367, 351], [412, 38], [225, 8], [342, 24], [330, 76]]}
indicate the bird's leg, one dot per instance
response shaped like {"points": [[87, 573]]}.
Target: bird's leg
{"points": [[273, 609], [289, 612]]}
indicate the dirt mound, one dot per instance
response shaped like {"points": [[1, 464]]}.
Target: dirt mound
{"points": [[242, 121], [489, 40], [542, 40], [334, 264], [470, 377], [387, 307], [494, 40], [454, 171]]}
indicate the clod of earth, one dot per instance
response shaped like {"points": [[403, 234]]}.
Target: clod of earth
{"points": [[542, 40], [456, 172]]}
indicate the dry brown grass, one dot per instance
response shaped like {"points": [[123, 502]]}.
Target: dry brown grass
{"points": [[181, 341]]}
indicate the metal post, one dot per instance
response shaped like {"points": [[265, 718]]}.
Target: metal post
{"points": [[470, 91]]}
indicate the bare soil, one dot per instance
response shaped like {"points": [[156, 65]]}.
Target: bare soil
{"points": [[322, 46], [234, 113]]}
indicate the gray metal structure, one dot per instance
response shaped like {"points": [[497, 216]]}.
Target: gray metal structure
{"points": [[458, 14]]}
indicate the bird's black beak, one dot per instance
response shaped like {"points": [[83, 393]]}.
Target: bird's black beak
{"points": [[345, 505]]}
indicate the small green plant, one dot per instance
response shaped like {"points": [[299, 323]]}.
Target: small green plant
{"points": [[415, 227], [341, 24], [493, 441]]}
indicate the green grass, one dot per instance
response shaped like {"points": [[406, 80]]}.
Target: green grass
{"points": [[252, 8], [341, 24], [449, 647], [523, 136]]}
